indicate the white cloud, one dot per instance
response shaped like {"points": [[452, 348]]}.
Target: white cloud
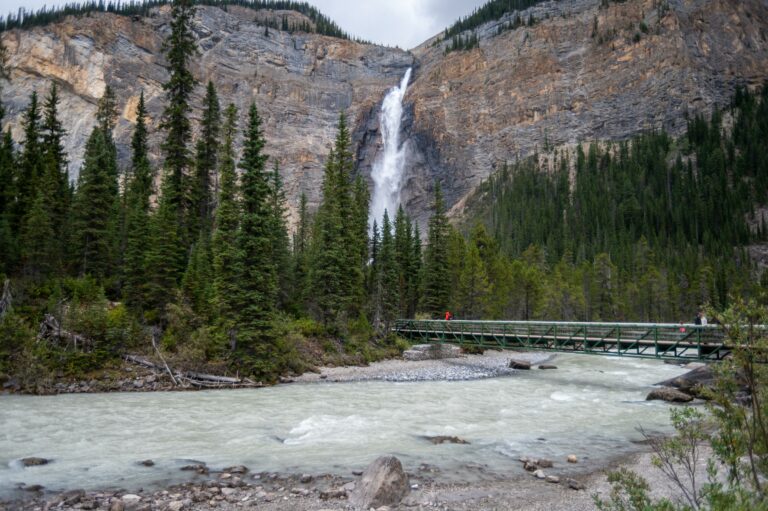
{"points": [[404, 23]]}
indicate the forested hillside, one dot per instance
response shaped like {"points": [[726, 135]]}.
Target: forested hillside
{"points": [[203, 268], [644, 230]]}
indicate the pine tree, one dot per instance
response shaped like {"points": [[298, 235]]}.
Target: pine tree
{"points": [[388, 275], [94, 213], [258, 286], [436, 282], [164, 262], [35, 240], [8, 240], [280, 244], [196, 284], [206, 162], [226, 272], [301, 263], [474, 288], [337, 275], [54, 182], [137, 214], [416, 273], [179, 48], [30, 159]]}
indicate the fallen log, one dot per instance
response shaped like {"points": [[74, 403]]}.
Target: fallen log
{"points": [[50, 330], [193, 378]]}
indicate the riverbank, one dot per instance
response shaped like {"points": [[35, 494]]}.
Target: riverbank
{"points": [[236, 489]]}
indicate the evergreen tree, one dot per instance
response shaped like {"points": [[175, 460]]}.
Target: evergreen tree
{"points": [[94, 213], [258, 286], [180, 48], [206, 163], [8, 240], [54, 182], [337, 272], [301, 263], [436, 282], [388, 275], [280, 244], [474, 288], [36, 246], [196, 284], [138, 213], [30, 159], [226, 272]]}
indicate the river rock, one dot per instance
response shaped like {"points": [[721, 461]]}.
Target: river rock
{"points": [[670, 395], [117, 505], [553, 479], [131, 501], [442, 439], [574, 484], [238, 469], [147, 463], [544, 463], [34, 462], [34, 487], [539, 474], [305, 479], [175, 505], [572, 458], [519, 364], [334, 493], [383, 483], [692, 382], [547, 366]]}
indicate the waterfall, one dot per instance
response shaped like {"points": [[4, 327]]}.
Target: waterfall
{"points": [[388, 168]]}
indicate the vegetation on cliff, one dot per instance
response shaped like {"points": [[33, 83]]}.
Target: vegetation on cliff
{"points": [[643, 230], [321, 24]]}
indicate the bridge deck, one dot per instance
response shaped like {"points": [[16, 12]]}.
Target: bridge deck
{"points": [[651, 340]]}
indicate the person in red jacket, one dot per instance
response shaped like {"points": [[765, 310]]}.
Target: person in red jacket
{"points": [[448, 316]]}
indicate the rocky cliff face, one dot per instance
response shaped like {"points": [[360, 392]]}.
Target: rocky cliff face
{"points": [[300, 82], [582, 72]]}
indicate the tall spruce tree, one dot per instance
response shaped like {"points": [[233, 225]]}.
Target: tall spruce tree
{"points": [[301, 257], [137, 213], [8, 238], [226, 259], [280, 243], [436, 280], [206, 163], [388, 275], [54, 181], [94, 208], [30, 159], [337, 269], [258, 285], [179, 49]]}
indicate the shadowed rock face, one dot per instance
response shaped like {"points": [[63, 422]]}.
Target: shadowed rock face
{"points": [[581, 73]]}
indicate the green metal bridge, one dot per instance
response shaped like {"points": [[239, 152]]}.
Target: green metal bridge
{"points": [[643, 340]]}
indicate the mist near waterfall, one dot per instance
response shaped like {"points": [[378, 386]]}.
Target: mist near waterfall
{"points": [[388, 168]]}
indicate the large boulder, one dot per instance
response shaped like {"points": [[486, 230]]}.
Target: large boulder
{"points": [[693, 381], [519, 364], [383, 483], [670, 395]]}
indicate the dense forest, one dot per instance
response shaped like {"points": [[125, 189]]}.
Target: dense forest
{"points": [[644, 230], [204, 269], [202, 266], [45, 15]]}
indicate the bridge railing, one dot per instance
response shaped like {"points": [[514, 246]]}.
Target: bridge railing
{"points": [[656, 340]]}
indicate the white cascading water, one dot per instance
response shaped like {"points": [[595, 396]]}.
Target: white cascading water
{"points": [[388, 169]]}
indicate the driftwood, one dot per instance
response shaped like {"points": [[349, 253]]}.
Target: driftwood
{"points": [[155, 333], [6, 299], [192, 378], [51, 331]]}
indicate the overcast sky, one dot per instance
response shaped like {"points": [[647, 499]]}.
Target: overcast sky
{"points": [[404, 23]]}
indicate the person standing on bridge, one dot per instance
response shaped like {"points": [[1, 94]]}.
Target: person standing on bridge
{"points": [[701, 319], [448, 315]]}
